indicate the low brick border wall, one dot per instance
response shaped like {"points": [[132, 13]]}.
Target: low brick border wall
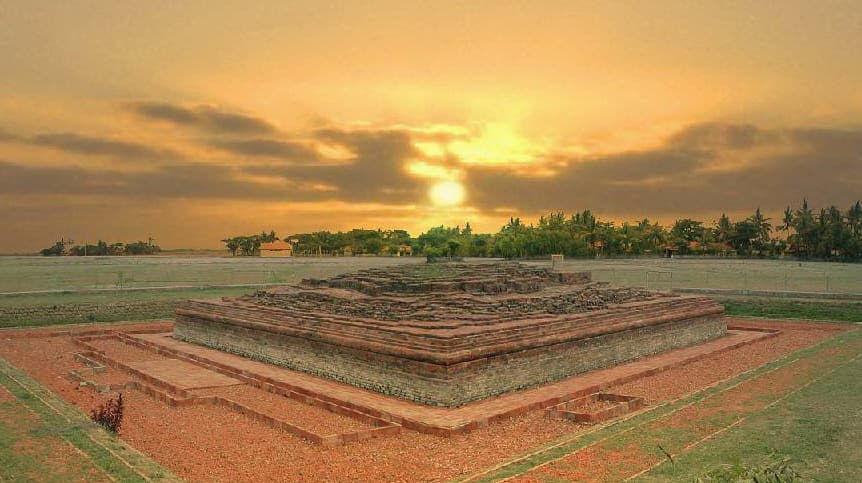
{"points": [[178, 397], [568, 410], [77, 330], [477, 423]]}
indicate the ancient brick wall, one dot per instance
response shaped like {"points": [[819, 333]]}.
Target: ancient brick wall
{"points": [[456, 384]]}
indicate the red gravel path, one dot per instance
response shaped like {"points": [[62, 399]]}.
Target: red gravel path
{"points": [[209, 443], [119, 350], [109, 376], [306, 416]]}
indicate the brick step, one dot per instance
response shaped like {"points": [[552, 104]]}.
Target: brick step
{"points": [[402, 345]]}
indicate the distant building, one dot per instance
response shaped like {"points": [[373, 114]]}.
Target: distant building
{"points": [[278, 248], [669, 250], [404, 251], [722, 248]]}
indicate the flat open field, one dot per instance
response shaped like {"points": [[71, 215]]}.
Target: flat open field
{"points": [[789, 400], [717, 273], [58, 290], [23, 274], [105, 289]]}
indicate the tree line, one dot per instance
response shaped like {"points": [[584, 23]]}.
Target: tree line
{"points": [[65, 247], [248, 245], [829, 234]]}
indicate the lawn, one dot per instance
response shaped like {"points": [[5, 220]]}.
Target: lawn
{"points": [[727, 273], [777, 308], [815, 433], [22, 274], [69, 290], [75, 308], [104, 289], [43, 438]]}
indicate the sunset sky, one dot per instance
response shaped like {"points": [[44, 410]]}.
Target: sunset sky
{"points": [[189, 121]]}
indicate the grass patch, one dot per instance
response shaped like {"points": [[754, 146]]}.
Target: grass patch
{"points": [[29, 451], [38, 418], [816, 432], [843, 311], [74, 308]]}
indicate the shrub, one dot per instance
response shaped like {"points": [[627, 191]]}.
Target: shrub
{"points": [[778, 470], [110, 414]]}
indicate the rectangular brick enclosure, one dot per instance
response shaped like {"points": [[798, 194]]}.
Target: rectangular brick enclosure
{"points": [[449, 334]]}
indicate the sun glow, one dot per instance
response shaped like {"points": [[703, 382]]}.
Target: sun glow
{"points": [[497, 143], [447, 193]]}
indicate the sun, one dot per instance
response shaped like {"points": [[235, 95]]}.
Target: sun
{"points": [[447, 193]]}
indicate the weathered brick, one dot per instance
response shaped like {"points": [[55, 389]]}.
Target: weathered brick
{"points": [[473, 331]]}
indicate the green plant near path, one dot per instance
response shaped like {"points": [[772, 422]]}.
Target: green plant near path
{"points": [[110, 414], [779, 471]]}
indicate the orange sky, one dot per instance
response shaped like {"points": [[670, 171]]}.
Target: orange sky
{"points": [[188, 121]]}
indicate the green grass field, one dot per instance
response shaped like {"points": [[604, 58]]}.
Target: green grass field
{"points": [[815, 433], [105, 289], [777, 308], [68, 290], [22, 274], [729, 273], [43, 438]]}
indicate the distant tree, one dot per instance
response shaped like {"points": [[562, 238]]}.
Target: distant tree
{"points": [[55, 250], [830, 234], [248, 245], [723, 229], [684, 232]]}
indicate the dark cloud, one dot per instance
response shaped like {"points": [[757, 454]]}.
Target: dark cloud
{"points": [[685, 175], [709, 136], [76, 143], [165, 112], [375, 173], [293, 152], [704, 168], [842, 142], [203, 117], [177, 181], [7, 136]]}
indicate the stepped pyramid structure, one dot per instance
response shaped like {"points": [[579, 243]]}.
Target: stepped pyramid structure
{"points": [[451, 333]]}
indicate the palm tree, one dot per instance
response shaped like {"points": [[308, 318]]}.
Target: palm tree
{"points": [[723, 229], [762, 229], [788, 219], [854, 218]]}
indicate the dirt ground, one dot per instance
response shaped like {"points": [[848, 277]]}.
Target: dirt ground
{"points": [[204, 443]]}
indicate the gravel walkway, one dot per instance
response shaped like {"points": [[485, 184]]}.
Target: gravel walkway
{"points": [[306, 416]]}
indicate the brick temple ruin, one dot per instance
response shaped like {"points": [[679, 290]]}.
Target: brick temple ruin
{"points": [[451, 333]]}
